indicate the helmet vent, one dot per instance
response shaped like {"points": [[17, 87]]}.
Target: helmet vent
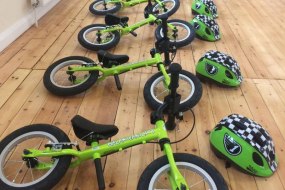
{"points": [[257, 159], [239, 125], [208, 31], [207, 10], [218, 127], [272, 155], [258, 140], [228, 74]]}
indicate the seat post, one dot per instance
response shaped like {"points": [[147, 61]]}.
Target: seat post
{"points": [[99, 173], [98, 168]]}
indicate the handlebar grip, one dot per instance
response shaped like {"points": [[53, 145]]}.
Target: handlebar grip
{"points": [[174, 70], [164, 24]]}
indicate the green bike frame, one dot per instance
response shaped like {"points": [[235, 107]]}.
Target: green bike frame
{"points": [[116, 70], [127, 29], [130, 3], [97, 151]]}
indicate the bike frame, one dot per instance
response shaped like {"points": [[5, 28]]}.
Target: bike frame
{"points": [[116, 70], [126, 30], [130, 3], [97, 151]]}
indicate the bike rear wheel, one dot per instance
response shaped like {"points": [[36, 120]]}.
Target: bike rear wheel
{"points": [[171, 6], [190, 89], [185, 33], [34, 173], [89, 37], [58, 81], [198, 173], [100, 7]]}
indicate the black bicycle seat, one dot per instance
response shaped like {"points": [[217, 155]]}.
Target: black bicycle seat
{"points": [[113, 19], [83, 127], [109, 59]]}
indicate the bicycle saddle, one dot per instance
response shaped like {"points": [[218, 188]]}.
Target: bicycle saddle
{"points": [[109, 59], [83, 128], [113, 20]]}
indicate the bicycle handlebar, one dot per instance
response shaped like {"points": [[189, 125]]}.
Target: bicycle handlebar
{"points": [[172, 101], [163, 19], [174, 70]]}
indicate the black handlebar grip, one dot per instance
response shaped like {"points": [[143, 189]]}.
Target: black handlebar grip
{"points": [[174, 70], [164, 24]]}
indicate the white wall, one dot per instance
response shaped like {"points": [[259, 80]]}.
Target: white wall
{"points": [[16, 16]]}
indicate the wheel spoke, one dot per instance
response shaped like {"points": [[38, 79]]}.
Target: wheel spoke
{"points": [[17, 161], [202, 180], [163, 92], [19, 170], [31, 171]]}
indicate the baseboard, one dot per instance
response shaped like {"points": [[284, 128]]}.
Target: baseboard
{"points": [[14, 31]]}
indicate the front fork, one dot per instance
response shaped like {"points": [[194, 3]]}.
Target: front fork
{"points": [[161, 4], [176, 179], [165, 75]]}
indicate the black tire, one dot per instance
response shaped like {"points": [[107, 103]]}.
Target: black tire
{"points": [[110, 7], [185, 35], [188, 162], [87, 34], [154, 86], [58, 82], [171, 6], [18, 169]]}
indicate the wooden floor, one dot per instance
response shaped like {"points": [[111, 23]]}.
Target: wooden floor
{"points": [[253, 33]]}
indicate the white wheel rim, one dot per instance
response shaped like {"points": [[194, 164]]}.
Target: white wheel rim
{"points": [[165, 1], [64, 64], [89, 30], [18, 140], [207, 178], [101, 3], [181, 77], [184, 26]]}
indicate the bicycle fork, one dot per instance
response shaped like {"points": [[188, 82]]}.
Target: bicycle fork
{"points": [[176, 179]]}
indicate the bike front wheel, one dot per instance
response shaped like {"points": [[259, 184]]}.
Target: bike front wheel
{"points": [[101, 7], [91, 38], [190, 89], [32, 173], [170, 7], [198, 173], [182, 36], [60, 81]]}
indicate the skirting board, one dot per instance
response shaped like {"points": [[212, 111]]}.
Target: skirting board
{"points": [[13, 32]]}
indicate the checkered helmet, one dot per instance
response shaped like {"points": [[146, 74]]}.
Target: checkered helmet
{"points": [[219, 67], [204, 7], [206, 28], [246, 144]]}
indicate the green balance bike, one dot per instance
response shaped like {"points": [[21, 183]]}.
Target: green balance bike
{"points": [[103, 7], [75, 74], [37, 156], [105, 36]]}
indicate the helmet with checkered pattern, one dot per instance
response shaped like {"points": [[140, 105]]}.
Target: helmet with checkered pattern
{"points": [[219, 67], [204, 7], [206, 28], [246, 144]]}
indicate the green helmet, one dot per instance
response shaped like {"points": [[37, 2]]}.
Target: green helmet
{"points": [[204, 7], [206, 28], [246, 144], [220, 68]]}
